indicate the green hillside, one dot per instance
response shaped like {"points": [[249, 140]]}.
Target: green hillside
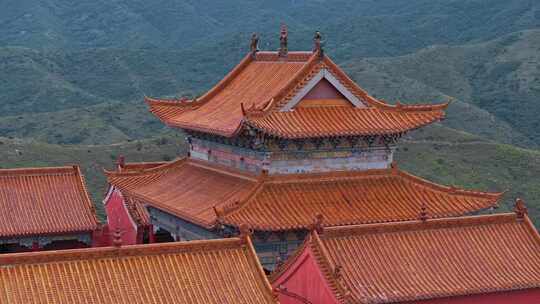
{"points": [[500, 76]]}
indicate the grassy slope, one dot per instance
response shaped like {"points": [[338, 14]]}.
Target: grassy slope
{"points": [[501, 76], [92, 158]]}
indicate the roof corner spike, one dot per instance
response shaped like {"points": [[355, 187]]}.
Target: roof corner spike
{"points": [[120, 162], [423, 213], [283, 48], [243, 109], [317, 44], [245, 233], [394, 167], [117, 238], [254, 45], [317, 225], [520, 208]]}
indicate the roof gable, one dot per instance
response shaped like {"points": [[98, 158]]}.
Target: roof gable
{"points": [[430, 259], [323, 77], [36, 201]]}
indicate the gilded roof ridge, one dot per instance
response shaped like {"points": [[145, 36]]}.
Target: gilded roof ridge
{"points": [[41, 257]]}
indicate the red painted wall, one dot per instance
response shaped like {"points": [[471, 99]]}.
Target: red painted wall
{"points": [[118, 217], [530, 296], [305, 279], [324, 90]]}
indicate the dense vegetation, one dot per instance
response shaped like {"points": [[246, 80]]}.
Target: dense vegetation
{"points": [[73, 74]]}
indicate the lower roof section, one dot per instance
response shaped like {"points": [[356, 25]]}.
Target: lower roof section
{"points": [[205, 193], [38, 201], [212, 271], [420, 260]]}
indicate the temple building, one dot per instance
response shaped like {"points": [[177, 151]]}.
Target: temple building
{"points": [[471, 259], [199, 272], [44, 209], [285, 136]]}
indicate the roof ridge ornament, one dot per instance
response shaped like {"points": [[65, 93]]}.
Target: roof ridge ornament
{"points": [[317, 224], [283, 41], [520, 208], [120, 162], [254, 45], [318, 44], [423, 213]]}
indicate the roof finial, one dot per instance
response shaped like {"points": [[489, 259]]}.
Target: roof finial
{"points": [[423, 213], [245, 232], [254, 45], [317, 224], [120, 162], [519, 208], [317, 43], [283, 48], [117, 238]]}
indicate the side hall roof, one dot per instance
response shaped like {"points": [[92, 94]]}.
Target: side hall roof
{"points": [[211, 271], [422, 260], [207, 194], [256, 91], [41, 201]]}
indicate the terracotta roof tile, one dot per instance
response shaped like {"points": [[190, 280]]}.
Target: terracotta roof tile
{"points": [[259, 86], [212, 271], [417, 260], [44, 201], [345, 198], [343, 121], [186, 188], [191, 189]]}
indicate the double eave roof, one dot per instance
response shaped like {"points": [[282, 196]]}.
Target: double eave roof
{"points": [[254, 93], [207, 194]]}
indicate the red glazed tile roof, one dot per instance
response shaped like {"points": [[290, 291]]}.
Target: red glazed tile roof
{"points": [[410, 261], [210, 271], [254, 92], [37, 201], [186, 188], [195, 191]]}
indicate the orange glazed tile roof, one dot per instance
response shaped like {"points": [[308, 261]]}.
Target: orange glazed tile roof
{"points": [[343, 121], [211, 271], [186, 188], [256, 89], [196, 191], [36, 201], [419, 260]]}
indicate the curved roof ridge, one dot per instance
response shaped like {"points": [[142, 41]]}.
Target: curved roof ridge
{"points": [[374, 101], [328, 268], [127, 250], [431, 223], [450, 189], [163, 167], [81, 183], [254, 259]]}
